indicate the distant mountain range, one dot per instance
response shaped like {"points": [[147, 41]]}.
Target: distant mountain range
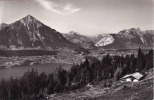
{"points": [[29, 32], [128, 39], [80, 40]]}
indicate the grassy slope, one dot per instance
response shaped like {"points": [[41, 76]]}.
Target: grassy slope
{"points": [[142, 90], [137, 92]]}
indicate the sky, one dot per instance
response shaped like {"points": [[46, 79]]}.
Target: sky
{"points": [[87, 17]]}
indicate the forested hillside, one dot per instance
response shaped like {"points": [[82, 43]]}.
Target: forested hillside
{"points": [[34, 86]]}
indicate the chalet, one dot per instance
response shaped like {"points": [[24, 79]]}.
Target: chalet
{"points": [[135, 77]]}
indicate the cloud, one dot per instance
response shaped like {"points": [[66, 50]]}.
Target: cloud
{"points": [[69, 8], [59, 9]]}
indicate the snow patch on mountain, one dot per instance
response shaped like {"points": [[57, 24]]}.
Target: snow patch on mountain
{"points": [[106, 40], [20, 42], [142, 39], [40, 37], [23, 22]]}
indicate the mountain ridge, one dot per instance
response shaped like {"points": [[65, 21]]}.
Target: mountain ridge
{"points": [[28, 32], [128, 39]]}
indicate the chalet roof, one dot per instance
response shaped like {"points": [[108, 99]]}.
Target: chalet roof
{"points": [[136, 75]]}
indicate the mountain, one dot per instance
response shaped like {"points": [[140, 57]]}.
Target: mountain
{"points": [[29, 32], [80, 40], [3, 25], [127, 39]]}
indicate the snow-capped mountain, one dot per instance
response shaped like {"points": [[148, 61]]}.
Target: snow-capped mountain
{"points": [[128, 38], [29, 32], [80, 40]]}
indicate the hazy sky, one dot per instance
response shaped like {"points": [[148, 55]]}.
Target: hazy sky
{"points": [[88, 17]]}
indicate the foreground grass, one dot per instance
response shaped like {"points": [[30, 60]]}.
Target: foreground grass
{"points": [[138, 92]]}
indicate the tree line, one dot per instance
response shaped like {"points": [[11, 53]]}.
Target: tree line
{"points": [[34, 86]]}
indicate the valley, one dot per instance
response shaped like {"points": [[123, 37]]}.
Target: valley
{"points": [[91, 66], [66, 56]]}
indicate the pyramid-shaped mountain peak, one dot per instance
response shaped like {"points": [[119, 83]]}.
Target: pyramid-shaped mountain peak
{"points": [[29, 17], [29, 20]]}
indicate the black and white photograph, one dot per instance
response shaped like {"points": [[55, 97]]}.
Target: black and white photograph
{"points": [[76, 49]]}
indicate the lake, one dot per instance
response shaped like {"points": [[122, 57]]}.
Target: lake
{"points": [[18, 71]]}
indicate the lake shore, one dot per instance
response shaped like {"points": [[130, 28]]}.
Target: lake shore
{"points": [[18, 71]]}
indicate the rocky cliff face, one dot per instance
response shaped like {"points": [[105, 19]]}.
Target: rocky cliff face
{"points": [[127, 39], [107, 39], [29, 32]]}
